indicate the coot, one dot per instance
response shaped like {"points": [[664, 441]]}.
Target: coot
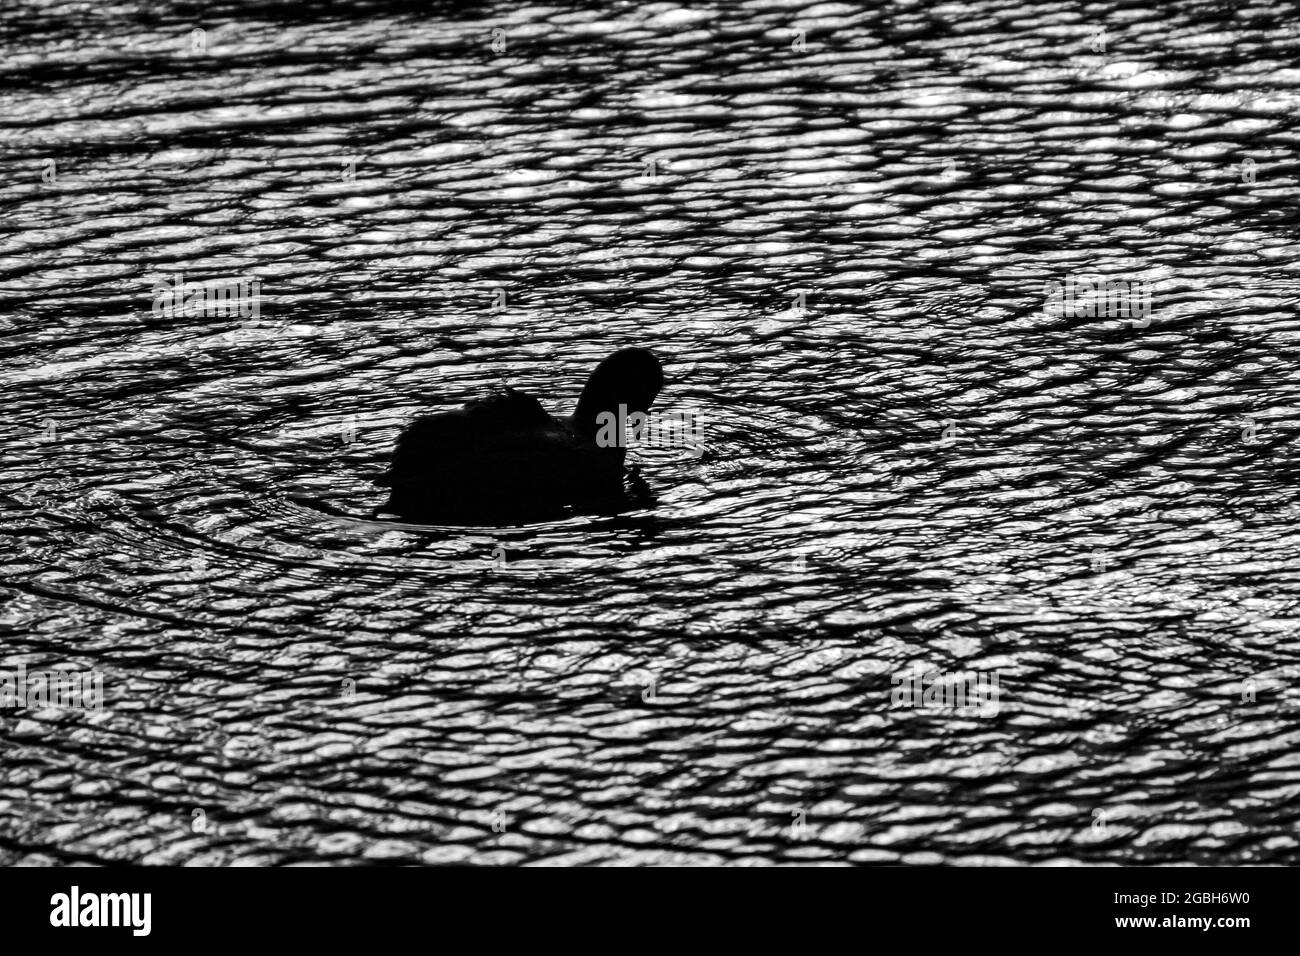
{"points": [[504, 458]]}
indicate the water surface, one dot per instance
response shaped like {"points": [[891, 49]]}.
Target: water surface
{"points": [[838, 241]]}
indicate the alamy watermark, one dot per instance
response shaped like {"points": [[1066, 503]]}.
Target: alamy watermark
{"points": [[77, 909], [237, 297], [36, 690], [683, 429], [1093, 297], [968, 693]]}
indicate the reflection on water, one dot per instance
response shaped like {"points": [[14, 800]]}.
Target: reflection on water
{"points": [[849, 235]]}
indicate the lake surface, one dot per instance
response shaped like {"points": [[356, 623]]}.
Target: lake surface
{"points": [[851, 237]]}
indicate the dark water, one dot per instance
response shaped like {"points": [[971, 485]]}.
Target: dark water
{"points": [[840, 253]]}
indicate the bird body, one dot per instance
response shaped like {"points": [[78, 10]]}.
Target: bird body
{"points": [[504, 458]]}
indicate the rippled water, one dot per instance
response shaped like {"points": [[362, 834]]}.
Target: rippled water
{"points": [[838, 241]]}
